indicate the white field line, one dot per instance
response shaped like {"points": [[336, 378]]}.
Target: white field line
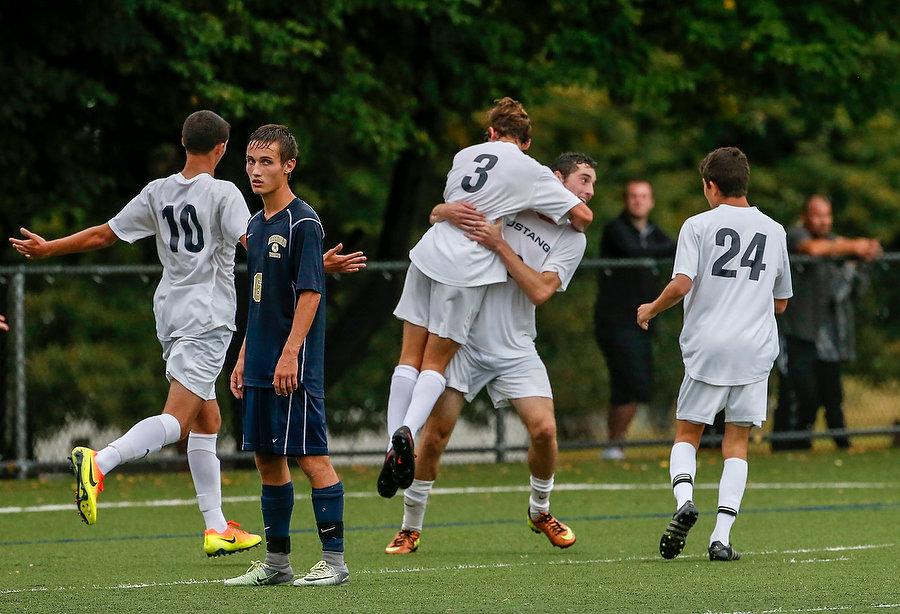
{"points": [[474, 490], [469, 567], [831, 608]]}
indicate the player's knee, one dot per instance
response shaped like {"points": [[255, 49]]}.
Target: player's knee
{"points": [[543, 432]]}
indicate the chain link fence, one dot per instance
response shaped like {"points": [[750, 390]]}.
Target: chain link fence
{"points": [[82, 363]]}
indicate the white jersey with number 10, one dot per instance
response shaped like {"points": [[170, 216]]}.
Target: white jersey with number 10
{"points": [[500, 180], [197, 223], [738, 260]]}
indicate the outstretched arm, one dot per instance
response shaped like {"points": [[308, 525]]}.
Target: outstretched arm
{"points": [[538, 287], [89, 239], [671, 295], [336, 262]]}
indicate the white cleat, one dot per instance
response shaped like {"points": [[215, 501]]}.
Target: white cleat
{"points": [[323, 574]]}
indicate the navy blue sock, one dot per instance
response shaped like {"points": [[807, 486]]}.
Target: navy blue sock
{"points": [[328, 506], [277, 506]]}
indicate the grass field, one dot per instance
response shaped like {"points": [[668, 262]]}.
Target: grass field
{"points": [[820, 532]]}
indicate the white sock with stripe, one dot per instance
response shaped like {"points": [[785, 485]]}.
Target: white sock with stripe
{"points": [[147, 436], [402, 383], [731, 492], [682, 470], [207, 475], [429, 386], [415, 500]]}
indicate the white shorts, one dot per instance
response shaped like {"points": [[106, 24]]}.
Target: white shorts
{"points": [[195, 361], [700, 402], [446, 311], [505, 378]]}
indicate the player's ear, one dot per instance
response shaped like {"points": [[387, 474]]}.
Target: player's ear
{"points": [[524, 146], [559, 176], [288, 166]]}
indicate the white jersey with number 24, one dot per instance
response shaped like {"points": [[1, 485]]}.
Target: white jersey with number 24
{"points": [[738, 260]]}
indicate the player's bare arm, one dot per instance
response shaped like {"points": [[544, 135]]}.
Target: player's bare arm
{"points": [[34, 246], [236, 382], [581, 217], [460, 214], [865, 249], [285, 380], [538, 287], [3, 325], [336, 262], [780, 305], [671, 295]]}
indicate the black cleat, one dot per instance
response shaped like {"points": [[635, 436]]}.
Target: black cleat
{"points": [[672, 542], [404, 464], [387, 485], [720, 552]]}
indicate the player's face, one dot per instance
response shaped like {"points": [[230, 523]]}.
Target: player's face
{"points": [[264, 168], [639, 200], [818, 219], [580, 182]]}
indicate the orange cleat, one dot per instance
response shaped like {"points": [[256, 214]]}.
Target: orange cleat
{"points": [[559, 534], [405, 542], [233, 539]]}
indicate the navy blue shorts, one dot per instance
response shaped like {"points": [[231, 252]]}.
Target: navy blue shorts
{"points": [[288, 426]]}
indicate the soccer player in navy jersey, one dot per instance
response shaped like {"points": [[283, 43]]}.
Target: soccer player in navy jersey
{"points": [[279, 373]]}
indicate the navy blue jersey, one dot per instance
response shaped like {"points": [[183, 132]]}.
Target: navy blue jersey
{"points": [[284, 258]]}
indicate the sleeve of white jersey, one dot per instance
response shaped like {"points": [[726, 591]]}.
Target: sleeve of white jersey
{"points": [[551, 198], [235, 214], [783, 286], [565, 259], [687, 255], [136, 220]]}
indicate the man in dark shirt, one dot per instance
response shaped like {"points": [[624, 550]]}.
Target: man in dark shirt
{"points": [[818, 329], [280, 370], [627, 348]]}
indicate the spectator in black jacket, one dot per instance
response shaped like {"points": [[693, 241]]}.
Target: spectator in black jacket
{"points": [[627, 348]]}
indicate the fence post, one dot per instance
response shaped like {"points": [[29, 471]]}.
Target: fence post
{"points": [[499, 436], [18, 334]]}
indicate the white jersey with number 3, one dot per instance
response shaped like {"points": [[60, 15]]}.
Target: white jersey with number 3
{"points": [[500, 180], [738, 260], [197, 223]]}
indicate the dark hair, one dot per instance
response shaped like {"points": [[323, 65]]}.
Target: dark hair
{"points": [[508, 118], [276, 133], [631, 182], [728, 168], [567, 163], [202, 131]]}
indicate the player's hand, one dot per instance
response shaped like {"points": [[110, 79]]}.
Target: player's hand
{"points": [[285, 381], [644, 315], [336, 262], [489, 235], [32, 246], [3, 325], [237, 379], [462, 215]]}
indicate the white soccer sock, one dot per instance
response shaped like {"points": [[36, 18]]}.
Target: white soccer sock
{"points": [[415, 500], [682, 470], [731, 491], [148, 435], [429, 386], [207, 476], [402, 383], [539, 501]]}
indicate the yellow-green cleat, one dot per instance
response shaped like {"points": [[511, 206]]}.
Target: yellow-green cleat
{"points": [[232, 539], [88, 483]]}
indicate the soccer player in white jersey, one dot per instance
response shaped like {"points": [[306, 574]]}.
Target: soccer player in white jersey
{"points": [[446, 281], [197, 221], [732, 270], [541, 258]]}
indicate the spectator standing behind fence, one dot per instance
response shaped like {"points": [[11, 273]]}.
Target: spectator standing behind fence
{"points": [[819, 329], [627, 348]]}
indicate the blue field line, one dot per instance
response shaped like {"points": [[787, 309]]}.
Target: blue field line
{"points": [[848, 507]]}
